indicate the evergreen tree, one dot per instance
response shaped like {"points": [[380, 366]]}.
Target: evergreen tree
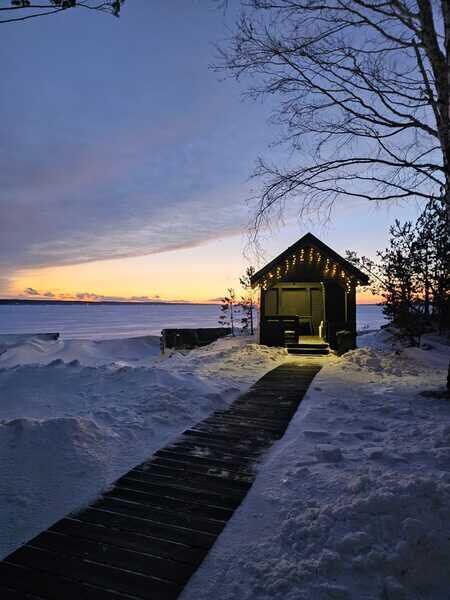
{"points": [[433, 261], [402, 293], [227, 308], [412, 274], [247, 301]]}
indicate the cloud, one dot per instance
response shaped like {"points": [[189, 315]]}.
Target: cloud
{"points": [[31, 292], [161, 197], [89, 296], [145, 298]]}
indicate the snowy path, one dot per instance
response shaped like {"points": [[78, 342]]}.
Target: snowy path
{"points": [[148, 535], [354, 502]]}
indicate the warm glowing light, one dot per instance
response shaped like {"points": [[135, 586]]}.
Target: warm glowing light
{"points": [[197, 274], [332, 270]]}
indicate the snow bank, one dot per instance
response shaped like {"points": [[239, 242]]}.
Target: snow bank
{"points": [[48, 468], [76, 415], [353, 502], [228, 359], [43, 349]]}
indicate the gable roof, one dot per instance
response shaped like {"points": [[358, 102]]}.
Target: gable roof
{"points": [[307, 241]]}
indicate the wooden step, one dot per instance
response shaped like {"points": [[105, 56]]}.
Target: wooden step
{"points": [[309, 350]]}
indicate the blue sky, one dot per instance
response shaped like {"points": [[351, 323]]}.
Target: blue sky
{"points": [[118, 141]]}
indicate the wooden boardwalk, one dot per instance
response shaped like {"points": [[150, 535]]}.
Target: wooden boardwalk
{"points": [[148, 535]]}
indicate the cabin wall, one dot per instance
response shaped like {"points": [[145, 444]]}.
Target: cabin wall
{"points": [[340, 310]]}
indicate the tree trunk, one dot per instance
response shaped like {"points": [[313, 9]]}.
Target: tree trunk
{"points": [[232, 317], [446, 15]]}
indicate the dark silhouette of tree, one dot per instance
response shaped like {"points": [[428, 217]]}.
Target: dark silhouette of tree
{"points": [[363, 97], [247, 302], [22, 10], [412, 273], [227, 310]]}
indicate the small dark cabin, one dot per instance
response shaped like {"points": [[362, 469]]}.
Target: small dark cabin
{"points": [[308, 296]]}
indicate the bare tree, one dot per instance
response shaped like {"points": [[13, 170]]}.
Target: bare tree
{"points": [[363, 97], [22, 10]]}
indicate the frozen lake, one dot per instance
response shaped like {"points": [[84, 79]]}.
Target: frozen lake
{"points": [[90, 321]]}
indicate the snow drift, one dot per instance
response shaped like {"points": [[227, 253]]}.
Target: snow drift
{"points": [[23, 349], [76, 415], [48, 468]]}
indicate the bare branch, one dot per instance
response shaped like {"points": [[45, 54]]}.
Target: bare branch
{"points": [[363, 97], [56, 6]]}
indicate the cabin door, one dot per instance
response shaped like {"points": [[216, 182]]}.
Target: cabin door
{"points": [[307, 304], [294, 301]]}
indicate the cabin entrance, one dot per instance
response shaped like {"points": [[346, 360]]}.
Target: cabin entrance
{"points": [[307, 303], [300, 308]]}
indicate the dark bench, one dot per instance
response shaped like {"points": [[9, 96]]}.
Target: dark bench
{"points": [[182, 339]]}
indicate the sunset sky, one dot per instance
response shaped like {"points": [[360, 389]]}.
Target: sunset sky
{"points": [[125, 160]]}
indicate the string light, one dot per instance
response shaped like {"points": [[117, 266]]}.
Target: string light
{"points": [[329, 269]]}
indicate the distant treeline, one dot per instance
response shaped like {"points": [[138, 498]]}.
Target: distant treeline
{"points": [[107, 302]]}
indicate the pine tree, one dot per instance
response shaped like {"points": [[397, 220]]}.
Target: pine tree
{"points": [[403, 293], [412, 274], [433, 256], [227, 308], [247, 302]]}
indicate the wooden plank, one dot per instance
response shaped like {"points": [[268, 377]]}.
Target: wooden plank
{"points": [[180, 493], [267, 406], [211, 459], [252, 445], [233, 418], [196, 484], [9, 594], [249, 431], [240, 479], [159, 514], [102, 576], [32, 581], [275, 421], [254, 418], [200, 510], [195, 477], [240, 451], [274, 404], [163, 531], [255, 441], [107, 554], [207, 468], [128, 539]]}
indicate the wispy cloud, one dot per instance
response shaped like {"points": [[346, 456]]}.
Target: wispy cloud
{"points": [[30, 292], [86, 296], [89, 217]]}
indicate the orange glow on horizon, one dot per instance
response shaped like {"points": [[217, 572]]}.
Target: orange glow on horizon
{"points": [[192, 275], [200, 274]]}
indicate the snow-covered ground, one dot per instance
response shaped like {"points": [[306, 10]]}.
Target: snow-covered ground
{"points": [[76, 414], [354, 502]]}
